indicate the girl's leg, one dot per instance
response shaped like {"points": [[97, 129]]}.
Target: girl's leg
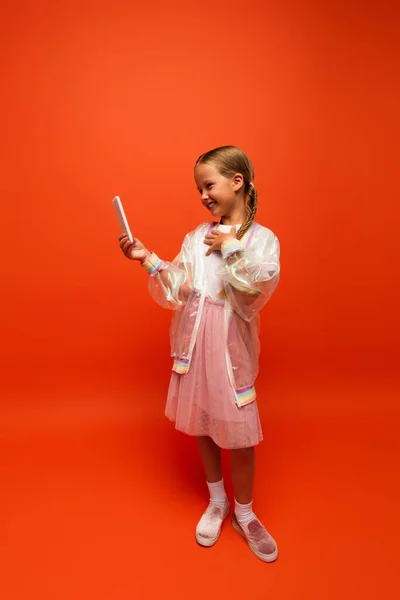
{"points": [[244, 520], [209, 527], [211, 458], [242, 471]]}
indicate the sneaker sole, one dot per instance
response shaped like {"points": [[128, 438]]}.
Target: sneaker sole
{"points": [[260, 555], [208, 542]]}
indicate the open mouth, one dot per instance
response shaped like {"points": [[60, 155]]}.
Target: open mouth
{"points": [[210, 205]]}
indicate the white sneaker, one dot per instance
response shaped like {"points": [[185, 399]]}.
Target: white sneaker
{"points": [[209, 527]]}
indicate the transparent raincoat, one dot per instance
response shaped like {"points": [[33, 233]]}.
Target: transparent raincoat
{"points": [[249, 272]]}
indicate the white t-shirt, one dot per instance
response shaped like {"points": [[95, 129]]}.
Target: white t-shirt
{"points": [[208, 267]]}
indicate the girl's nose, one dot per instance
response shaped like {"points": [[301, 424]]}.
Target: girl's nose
{"points": [[204, 196]]}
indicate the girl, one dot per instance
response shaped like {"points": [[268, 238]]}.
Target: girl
{"points": [[217, 285]]}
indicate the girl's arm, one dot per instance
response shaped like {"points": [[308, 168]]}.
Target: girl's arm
{"points": [[169, 282], [250, 276]]}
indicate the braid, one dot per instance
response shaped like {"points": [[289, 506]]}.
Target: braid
{"points": [[251, 211]]}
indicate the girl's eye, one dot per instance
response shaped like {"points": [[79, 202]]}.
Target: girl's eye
{"points": [[209, 185]]}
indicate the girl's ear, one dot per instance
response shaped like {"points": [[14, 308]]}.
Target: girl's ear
{"points": [[237, 181]]}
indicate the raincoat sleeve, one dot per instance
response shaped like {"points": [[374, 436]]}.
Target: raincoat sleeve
{"points": [[250, 276], [170, 282]]}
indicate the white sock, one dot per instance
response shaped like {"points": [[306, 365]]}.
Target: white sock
{"points": [[244, 512], [217, 493]]}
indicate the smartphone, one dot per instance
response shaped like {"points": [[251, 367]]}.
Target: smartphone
{"points": [[122, 220]]}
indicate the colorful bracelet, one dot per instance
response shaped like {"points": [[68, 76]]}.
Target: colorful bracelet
{"points": [[230, 246], [152, 264]]}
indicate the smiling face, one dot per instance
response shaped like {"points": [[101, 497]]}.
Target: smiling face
{"points": [[223, 196]]}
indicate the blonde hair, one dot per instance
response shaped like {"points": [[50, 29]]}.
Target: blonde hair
{"points": [[230, 160]]}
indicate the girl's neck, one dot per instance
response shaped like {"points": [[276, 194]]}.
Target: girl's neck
{"points": [[236, 218]]}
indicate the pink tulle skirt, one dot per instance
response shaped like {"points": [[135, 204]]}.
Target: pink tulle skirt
{"points": [[202, 402]]}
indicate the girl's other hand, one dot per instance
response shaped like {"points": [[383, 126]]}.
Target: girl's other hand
{"points": [[135, 251], [215, 239]]}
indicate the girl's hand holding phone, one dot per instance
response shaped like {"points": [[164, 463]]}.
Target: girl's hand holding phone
{"points": [[135, 250]]}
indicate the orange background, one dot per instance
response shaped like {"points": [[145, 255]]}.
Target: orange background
{"points": [[100, 496]]}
